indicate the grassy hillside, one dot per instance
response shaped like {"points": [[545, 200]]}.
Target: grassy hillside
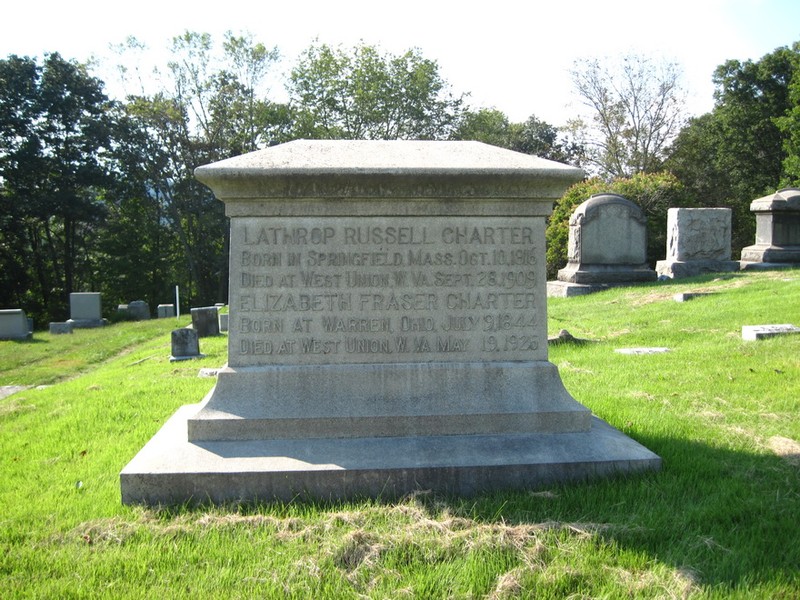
{"points": [[719, 521]]}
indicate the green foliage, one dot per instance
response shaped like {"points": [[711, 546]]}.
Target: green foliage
{"points": [[789, 126], [718, 521], [738, 152], [654, 193], [55, 132], [534, 136], [363, 93]]}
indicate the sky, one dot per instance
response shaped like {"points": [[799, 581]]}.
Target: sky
{"points": [[514, 56]]}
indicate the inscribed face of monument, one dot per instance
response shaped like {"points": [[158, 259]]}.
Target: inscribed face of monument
{"points": [[386, 290]]}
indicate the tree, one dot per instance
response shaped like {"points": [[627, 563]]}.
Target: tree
{"points": [[55, 124], [789, 124], [366, 94], [738, 152], [212, 106], [635, 110], [534, 136]]}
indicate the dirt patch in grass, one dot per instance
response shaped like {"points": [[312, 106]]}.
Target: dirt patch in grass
{"points": [[786, 448]]}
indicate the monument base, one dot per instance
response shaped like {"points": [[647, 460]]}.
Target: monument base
{"points": [[389, 400], [606, 274], [771, 254], [172, 470], [677, 269]]}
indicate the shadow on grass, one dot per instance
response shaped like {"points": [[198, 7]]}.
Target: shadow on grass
{"points": [[729, 517]]}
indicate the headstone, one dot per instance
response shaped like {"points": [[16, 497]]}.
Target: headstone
{"points": [[698, 241], [185, 344], [60, 328], [139, 310], [656, 350], [223, 322], [205, 321], [165, 311], [85, 310], [777, 230], [14, 325], [686, 296], [607, 246], [388, 333], [760, 332]]}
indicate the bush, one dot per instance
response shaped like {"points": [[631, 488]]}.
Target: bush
{"points": [[654, 193]]}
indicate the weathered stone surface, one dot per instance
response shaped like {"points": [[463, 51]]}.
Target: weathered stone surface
{"points": [[85, 309], [760, 332], [139, 310], [777, 228], [698, 241], [60, 328], [14, 325], [165, 311], [224, 318], [607, 243], [205, 321], [387, 312], [185, 344]]}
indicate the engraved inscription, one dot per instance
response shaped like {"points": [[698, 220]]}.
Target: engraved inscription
{"points": [[388, 289]]}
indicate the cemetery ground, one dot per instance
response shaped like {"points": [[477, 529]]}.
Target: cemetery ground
{"points": [[720, 520]]}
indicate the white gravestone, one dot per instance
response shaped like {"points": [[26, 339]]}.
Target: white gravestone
{"points": [[607, 246], [698, 241], [14, 325], [85, 309], [387, 332]]}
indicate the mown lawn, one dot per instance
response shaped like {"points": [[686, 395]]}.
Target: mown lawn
{"points": [[719, 521]]}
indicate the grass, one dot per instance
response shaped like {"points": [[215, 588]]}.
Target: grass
{"points": [[719, 521]]}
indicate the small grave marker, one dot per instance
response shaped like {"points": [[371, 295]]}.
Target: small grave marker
{"points": [[185, 345], [759, 332]]}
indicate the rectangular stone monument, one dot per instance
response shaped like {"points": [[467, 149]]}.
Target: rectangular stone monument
{"points": [[14, 325], [85, 309], [698, 241], [165, 311], [388, 332], [223, 322], [777, 231]]}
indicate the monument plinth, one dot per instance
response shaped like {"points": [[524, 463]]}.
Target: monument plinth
{"points": [[777, 230], [387, 332]]}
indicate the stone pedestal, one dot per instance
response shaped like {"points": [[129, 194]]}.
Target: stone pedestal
{"points": [[698, 241], [85, 309], [387, 333], [607, 246], [777, 229]]}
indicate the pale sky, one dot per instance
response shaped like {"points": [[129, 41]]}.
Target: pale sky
{"points": [[511, 55]]}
